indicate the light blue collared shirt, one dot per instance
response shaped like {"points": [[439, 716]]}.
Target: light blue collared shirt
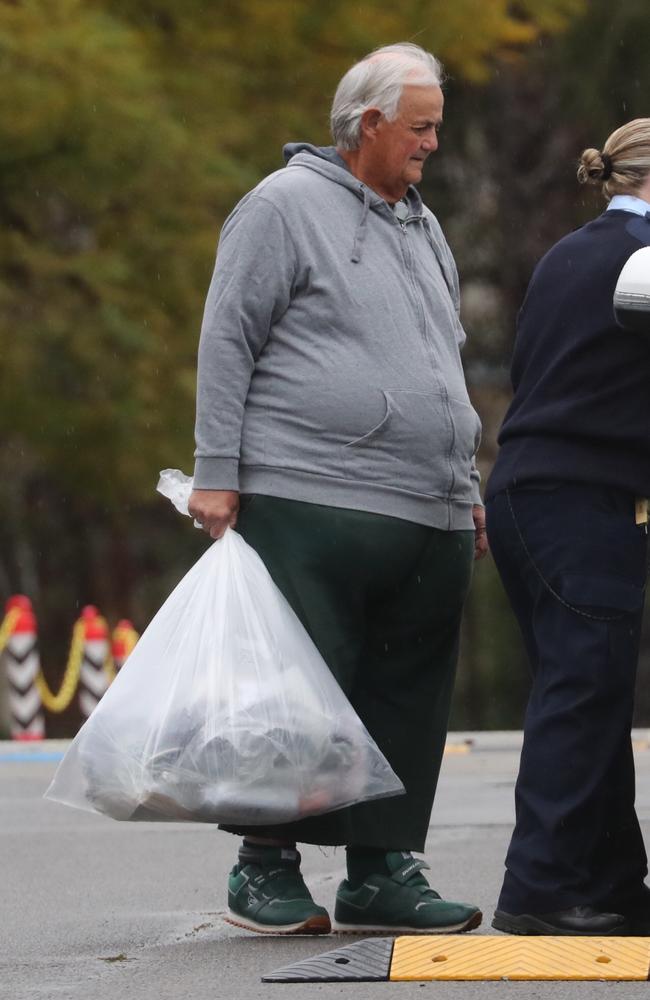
{"points": [[629, 203]]}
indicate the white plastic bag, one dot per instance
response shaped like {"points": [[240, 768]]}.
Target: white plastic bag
{"points": [[224, 712]]}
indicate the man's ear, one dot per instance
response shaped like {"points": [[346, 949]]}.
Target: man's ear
{"points": [[369, 121], [632, 294]]}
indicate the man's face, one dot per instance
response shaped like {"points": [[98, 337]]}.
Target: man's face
{"points": [[401, 146]]}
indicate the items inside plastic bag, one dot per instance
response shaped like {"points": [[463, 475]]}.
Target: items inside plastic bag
{"points": [[224, 712]]}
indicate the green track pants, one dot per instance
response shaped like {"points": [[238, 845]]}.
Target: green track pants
{"points": [[381, 598]]}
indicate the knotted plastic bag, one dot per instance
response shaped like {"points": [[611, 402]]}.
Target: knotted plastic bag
{"points": [[224, 711]]}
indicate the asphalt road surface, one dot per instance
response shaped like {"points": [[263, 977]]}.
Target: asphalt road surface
{"points": [[91, 908]]}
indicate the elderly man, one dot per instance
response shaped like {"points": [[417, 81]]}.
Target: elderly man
{"points": [[334, 429]]}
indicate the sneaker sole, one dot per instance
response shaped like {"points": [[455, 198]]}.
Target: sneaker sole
{"points": [[312, 925], [467, 925], [527, 925]]}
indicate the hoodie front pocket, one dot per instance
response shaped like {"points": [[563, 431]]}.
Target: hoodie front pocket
{"points": [[410, 448]]}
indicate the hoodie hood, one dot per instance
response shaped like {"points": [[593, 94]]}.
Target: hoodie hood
{"points": [[328, 153], [325, 160]]}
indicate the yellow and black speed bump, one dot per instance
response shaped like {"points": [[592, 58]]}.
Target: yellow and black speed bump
{"points": [[484, 957], [479, 957], [361, 962]]}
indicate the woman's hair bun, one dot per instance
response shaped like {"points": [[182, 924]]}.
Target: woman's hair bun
{"points": [[623, 167], [594, 167]]}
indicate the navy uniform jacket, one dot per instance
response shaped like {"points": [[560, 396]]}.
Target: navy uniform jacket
{"points": [[581, 406]]}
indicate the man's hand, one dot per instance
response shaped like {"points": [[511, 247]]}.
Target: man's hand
{"points": [[214, 510], [480, 535]]}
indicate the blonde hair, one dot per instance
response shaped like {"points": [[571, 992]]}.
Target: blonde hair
{"points": [[624, 163]]}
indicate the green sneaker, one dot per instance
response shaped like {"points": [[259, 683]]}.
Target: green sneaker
{"points": [[267, 893], [400, 903]]}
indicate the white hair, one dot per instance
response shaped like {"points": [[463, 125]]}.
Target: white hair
{"points": [[377, 82]]}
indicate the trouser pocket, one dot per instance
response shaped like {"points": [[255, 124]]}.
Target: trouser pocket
{"points": [[587, 552]]}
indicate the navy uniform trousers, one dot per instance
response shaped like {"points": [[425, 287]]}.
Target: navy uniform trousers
{"points": [[573, 563]]}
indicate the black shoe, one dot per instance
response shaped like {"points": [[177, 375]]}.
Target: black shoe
{"points": [[636, 910], [584, 920]]}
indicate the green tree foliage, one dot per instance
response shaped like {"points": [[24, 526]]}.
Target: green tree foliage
{"points": [[604, 71], [100, 198]]}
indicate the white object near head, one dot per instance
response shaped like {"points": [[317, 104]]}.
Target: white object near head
{"points": [[632, 293]]}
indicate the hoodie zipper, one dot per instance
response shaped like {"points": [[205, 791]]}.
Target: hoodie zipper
{"points": [[408, 264], [408, 259]]}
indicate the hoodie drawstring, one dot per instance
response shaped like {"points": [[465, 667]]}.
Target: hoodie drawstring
{"points": [[443, 264], [360, 233]]}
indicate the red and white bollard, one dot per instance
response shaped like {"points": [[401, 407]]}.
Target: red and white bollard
{"points": [[22, 663], [93, 679], [124, 639]]}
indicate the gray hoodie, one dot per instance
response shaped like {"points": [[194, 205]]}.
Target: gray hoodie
{"points": [[329, 361]]}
